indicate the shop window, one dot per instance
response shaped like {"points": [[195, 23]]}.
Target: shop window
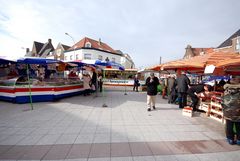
{"points": [[113, 59], [87, 56]]}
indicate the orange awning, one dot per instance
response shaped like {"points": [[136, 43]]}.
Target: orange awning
{"points": [[235, 61], [196, 63]]}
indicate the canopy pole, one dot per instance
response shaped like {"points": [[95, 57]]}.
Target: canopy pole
{"points": [[29, 87], [125, 93], [104, 103]]}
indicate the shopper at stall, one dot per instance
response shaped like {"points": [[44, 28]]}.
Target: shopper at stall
{"points": [[195, 93], [136, 83], [94, 80], [151, 82], [183, 83], [171, 88], [86, 84], [72, 75], [231, 110]]}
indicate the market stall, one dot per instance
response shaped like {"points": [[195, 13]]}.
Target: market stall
{"points": [[30, 85], [114, 77]]}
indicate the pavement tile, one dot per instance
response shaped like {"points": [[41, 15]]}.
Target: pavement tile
{"points": [[121, 159], [100, 150], [159, 148], [66, 139], [165, 158], [120, 150], [226, 146], [144, 158], [15, 152], [177, 148], [140, 149], [36, 152], [79, 151], [4, 148], [12, 140], [57, 152]]}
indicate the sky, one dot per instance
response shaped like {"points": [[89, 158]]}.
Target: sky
{"points": [[144, 29]]}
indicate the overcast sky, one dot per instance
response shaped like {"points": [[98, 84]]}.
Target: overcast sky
{"points": [[145, 29]]}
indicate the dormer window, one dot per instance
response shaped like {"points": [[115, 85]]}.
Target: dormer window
{"points": [[88, 45]]}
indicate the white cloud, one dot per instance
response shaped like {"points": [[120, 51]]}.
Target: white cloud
{"points": [[144, 29]]}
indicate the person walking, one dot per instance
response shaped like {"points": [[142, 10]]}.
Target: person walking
{"points": [[231, 110], [151, 82], [136, 83], [183, 83]]}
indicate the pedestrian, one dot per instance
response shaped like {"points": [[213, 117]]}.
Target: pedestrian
{"points": [[151, 82], [183, 83], [100, 82], [136, 83], [231, 110], [195, 93], [94, 80], [171, 89]]}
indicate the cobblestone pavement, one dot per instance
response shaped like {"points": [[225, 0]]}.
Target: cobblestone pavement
{"points": [[80, 129]]}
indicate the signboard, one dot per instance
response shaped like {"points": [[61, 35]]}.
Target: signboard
{"points": [[209, 69]]}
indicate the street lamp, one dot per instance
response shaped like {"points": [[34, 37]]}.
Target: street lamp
{"points": [[73, 44]]}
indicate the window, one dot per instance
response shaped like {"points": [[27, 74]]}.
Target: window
{"points": [[87, 56], [88, 45], [100, 57], [65, 57], [59, 51], [113, 59], [71, 57], [238, 43], [77, 57]]}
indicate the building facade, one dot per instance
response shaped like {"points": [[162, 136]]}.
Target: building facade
{"points": [[232, 44], [97, 50]]}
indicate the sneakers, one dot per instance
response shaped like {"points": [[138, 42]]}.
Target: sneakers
{"points": [[154, 107], [230, 141], [149, 109]]}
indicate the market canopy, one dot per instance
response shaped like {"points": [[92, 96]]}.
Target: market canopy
{"points": [[6, 61], [235, 61], [101, 63], [34, 60], [197, 63]]}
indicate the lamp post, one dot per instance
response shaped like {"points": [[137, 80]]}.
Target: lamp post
{"points": [[73, 44]]}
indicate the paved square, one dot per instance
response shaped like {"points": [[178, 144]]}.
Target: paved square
{"points": [[79, 128]]}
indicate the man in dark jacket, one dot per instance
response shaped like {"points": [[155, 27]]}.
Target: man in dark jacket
{"points": [[151, 82], [194, 93], [183, 83]]}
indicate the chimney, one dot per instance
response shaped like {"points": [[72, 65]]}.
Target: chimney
{"points": [[99, 41], [27, 50], [49, 40]]}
